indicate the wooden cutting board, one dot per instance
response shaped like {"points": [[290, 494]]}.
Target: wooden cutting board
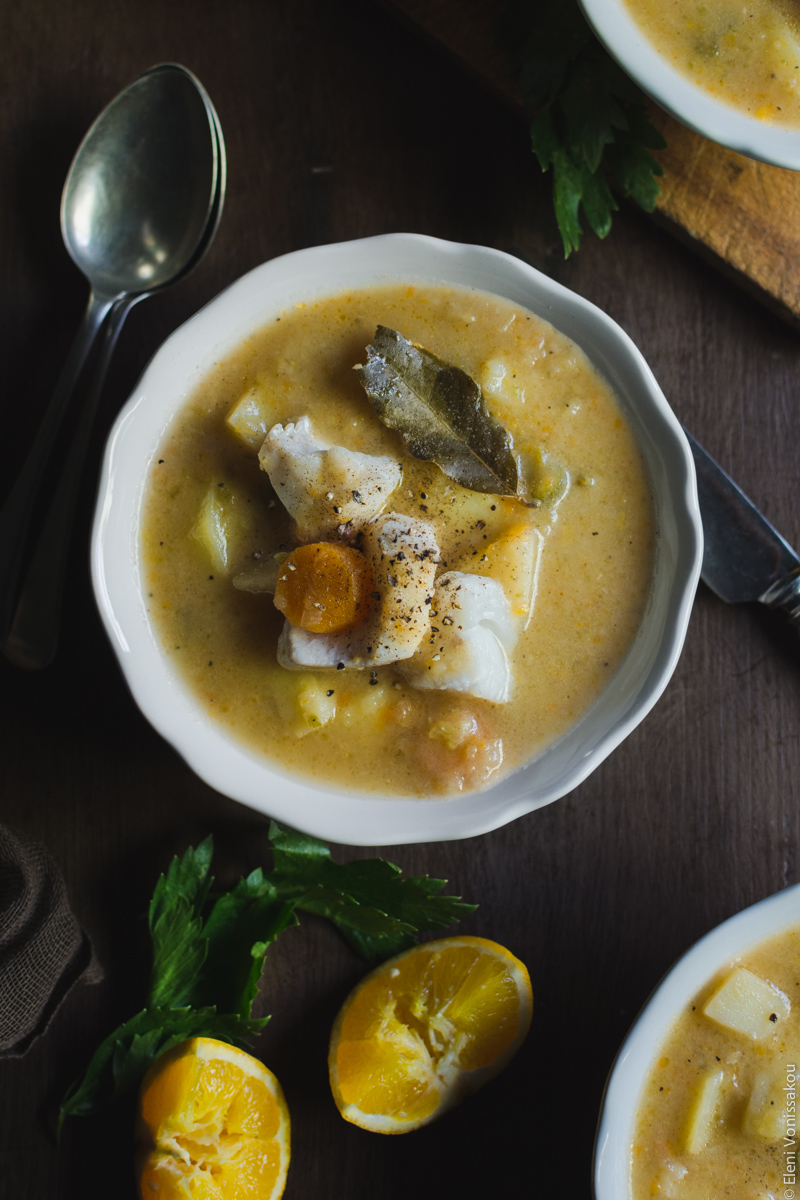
{"points": [[742, 215]]}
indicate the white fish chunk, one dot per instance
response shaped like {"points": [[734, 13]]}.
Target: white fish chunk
{"points": [[403, 554], [472, 633], [325, 487]]}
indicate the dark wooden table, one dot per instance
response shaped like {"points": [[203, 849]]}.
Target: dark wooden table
{"points": [[341, 123]]}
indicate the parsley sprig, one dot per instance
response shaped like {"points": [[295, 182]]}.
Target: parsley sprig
{"points": [[589, 121], [209, 949]]}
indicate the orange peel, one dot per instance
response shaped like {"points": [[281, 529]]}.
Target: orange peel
{"points": [[212, 1124], [426, 1029]]}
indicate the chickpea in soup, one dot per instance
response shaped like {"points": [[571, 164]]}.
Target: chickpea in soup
{"points": [[718, 1115], [354, 613]]}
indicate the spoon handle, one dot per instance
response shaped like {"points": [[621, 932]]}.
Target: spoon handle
{"points": [[16, 513], [33, 637]]}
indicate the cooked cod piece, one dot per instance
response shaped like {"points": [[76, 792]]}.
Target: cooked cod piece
{"points": [[402, 553], [325, 488], [472, 632]]}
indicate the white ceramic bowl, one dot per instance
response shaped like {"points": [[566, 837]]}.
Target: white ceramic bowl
{"points": [[170, 379], [615, 27], [633, 1063]]}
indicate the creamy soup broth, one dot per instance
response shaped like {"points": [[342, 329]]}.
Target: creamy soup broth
{"points": [[595, 566], [749, 1126], [745, 54]]}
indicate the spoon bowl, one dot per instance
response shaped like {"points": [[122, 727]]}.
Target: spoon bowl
{"points": [[142, 184]]}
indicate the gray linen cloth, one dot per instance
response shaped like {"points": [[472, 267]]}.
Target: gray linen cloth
{"points": [[43, 950]]}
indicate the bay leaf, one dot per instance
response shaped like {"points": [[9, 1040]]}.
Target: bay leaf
{"points": [[440, 412]]}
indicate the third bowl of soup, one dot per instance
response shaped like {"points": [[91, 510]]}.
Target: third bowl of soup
{"points": [[702, 1100]]}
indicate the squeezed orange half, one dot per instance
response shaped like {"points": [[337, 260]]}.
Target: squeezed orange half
{"points": [[425, 1029], [212, 1125]]}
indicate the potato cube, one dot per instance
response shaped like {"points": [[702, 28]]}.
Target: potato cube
{"points": [[476, 511], [370, 705], [315, 707], [492, 376], [766, 1113], [223, 527], [782, 48], [303, 701], [455, 728], [748, 1005], [251, 418], [549, 480], [209, 529], [513, 560], [701, 1112], [669, 1181]]}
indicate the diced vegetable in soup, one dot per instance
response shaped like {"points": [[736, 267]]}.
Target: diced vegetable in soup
{"points": [[718, 1114], [746, 55], [407, 578]]}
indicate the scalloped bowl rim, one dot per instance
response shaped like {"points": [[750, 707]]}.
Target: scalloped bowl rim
{"points": [[725, 942], [170, 379], [616, 28]]}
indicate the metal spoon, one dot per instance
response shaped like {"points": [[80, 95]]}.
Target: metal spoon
{"points": [[140, 206]]}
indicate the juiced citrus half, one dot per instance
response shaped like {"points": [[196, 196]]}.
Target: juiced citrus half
{"points": [[425, 1029], [212, 1125]]}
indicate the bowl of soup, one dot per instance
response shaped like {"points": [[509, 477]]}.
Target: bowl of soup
{"points": [[396, 540], [728, 70], [702, 1099]]}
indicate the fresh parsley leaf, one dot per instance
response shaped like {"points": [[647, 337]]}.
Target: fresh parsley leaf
{"points": [[120, 1062], [631, 165], [175, 921], [590, 111], [187, 877], [589, 120], [598, 203], [376, 909], [241, 926]]}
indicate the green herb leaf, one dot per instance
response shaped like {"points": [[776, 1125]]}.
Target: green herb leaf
{"points": [[630, 163], [187, 877], [241, 926], [175, 920], [376, 909], [120, 1062], [598, 202], [589, 119], [441, 414]]}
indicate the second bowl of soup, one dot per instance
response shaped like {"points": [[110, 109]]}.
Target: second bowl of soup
{"points": [[728, 70]]}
